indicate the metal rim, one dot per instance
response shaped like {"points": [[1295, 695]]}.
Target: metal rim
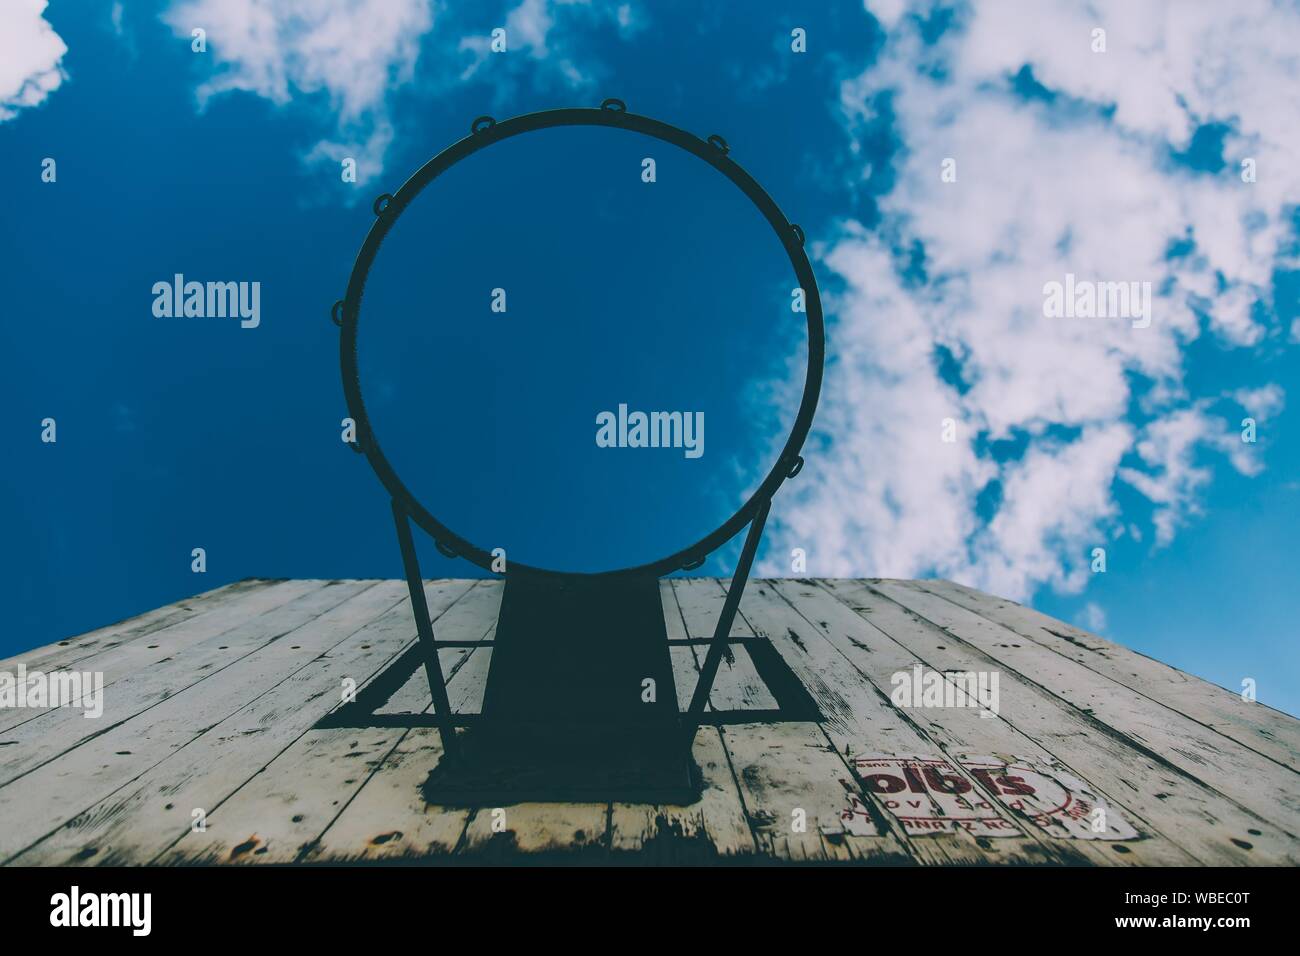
{"points": [[483, 135]]}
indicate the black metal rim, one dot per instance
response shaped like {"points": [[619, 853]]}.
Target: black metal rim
{"points": [[613, 113]]}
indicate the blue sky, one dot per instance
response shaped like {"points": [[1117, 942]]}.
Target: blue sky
{"points": [[1117, 165]]}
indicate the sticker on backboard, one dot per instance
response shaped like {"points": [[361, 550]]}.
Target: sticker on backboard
{"points": [[857, 819], [927, 795], [1048, 796]]}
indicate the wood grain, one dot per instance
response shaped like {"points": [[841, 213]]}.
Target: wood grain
{"points": [[215, 703]]}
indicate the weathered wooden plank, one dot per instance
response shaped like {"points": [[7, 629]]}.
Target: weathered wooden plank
{"points": [[768, 762], [685, 675], [715, 825], [55, 732], [278, 814], [413, 696], [566, 829], [682, 657], [859, 718], [878, 655], [737, 685], [1254, 782], [389, 817], [116, 660], [114, 656], [142, 819], [795, 792], [562, 828], [101, 765], [1254, 725], [534, 828], [700, 601], [1201, 821], [129, 826], [472, 619], [67, 652], [574, 828], [237, 741]]}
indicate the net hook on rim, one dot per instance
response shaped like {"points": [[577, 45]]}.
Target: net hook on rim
{"points": [[382, 204], [482, 124], [717, 142], [614, 105]]}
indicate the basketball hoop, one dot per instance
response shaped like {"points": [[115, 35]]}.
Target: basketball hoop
{"points": [[615, 615]]}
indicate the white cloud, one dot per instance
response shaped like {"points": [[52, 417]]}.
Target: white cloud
{"points": [[1044, 189], [528, 24], [356, 53], [1169, 448], [1173, 480], [1054, 500], [352, 51], [1093, 617], [31, 54], [549, 53], [1260, 403]]}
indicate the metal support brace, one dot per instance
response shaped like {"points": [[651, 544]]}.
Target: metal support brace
{"points": [[423, 626], [721, 633]]}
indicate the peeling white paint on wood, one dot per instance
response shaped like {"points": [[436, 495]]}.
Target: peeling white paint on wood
{"points": [[214, 702]]}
